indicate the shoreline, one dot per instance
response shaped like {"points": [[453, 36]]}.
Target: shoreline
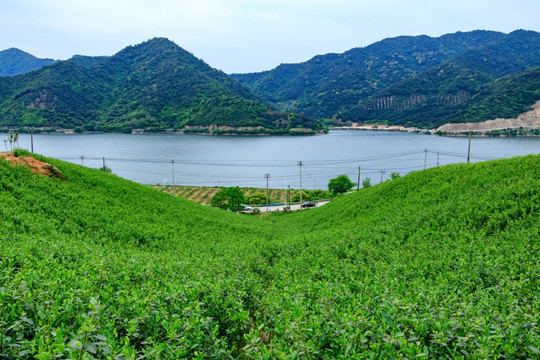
{"points": [[41, 131], [509, 132], [382, 127]]}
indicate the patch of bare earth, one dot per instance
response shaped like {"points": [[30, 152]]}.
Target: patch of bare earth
{"points": [[529, 119], [37, 167]]}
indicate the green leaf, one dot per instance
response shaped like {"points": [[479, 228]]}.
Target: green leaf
{"points": [[91, 348]]}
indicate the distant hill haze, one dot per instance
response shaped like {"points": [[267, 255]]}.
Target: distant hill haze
{"points": [[412, 80], [153, 86], [15, 62]]}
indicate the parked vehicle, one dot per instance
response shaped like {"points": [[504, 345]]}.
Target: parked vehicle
{"points": [[308, 205]]}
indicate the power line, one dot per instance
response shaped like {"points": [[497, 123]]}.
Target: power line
{"points": [[200, 172]]}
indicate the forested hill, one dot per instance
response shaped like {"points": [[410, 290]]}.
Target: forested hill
{"points": [[498, 80], [153, 86], [420, 80], [14, 62]]}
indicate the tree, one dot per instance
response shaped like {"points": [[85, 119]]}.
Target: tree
{"points": [[340, 185], [256, 199], [366, 183], [106, 169], [12, 138], [235, 198], [220, 199], [229, 198], [296, 196], [394, 175]]}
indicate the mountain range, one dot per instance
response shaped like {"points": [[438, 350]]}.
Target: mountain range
{"points": [[417, 81], [153, 86], [411, 80]]}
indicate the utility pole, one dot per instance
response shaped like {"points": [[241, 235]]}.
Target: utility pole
{"points": [[104, 167], [267, 176], [300, 164], [82, 160], [289, 195], [173, 183], [437, 159], [358, 184], [469, 149], [425, 158], [381, 171], [32, 139]]}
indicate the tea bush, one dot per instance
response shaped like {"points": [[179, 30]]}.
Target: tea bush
{"points": [[440, 263]]}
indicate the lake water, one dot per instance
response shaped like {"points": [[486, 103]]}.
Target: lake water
{"points": [[244, 160]]}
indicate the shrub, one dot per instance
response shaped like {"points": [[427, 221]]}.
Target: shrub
{"points": [[256, 199], [366, 183], [340, 185]]}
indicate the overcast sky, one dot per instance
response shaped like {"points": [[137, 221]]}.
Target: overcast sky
{"points": [[245, 35]]}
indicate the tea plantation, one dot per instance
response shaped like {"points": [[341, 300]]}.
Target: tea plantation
{"points": [[438, 264]]}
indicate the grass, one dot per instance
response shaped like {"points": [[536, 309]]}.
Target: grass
{"points": [[441, 263]]}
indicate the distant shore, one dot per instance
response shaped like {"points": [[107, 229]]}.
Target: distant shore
{"points": [[229, 131], [381, 127]]}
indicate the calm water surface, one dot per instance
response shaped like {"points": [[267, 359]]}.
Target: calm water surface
{"points": [[244, 160]]}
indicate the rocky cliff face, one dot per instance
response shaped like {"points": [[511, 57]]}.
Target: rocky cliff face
{"points": [[530, 119]]}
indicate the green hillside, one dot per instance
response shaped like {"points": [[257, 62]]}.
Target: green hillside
{"points": [[450, 94], [87, 60], [153, 86], [414, 81], [506, 97], [330, 83], [441, 263], [498, 80]]}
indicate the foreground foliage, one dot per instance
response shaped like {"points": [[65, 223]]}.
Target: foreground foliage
{"points": [[437, 264]]}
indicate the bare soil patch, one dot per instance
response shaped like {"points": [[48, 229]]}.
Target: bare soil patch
{"points": [[529, 119], [37, 166]]}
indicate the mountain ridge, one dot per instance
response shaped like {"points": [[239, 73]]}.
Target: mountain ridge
{"points": [[417, 81], [465, 81], [14, 61], [344, 86], [153, 86]]}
